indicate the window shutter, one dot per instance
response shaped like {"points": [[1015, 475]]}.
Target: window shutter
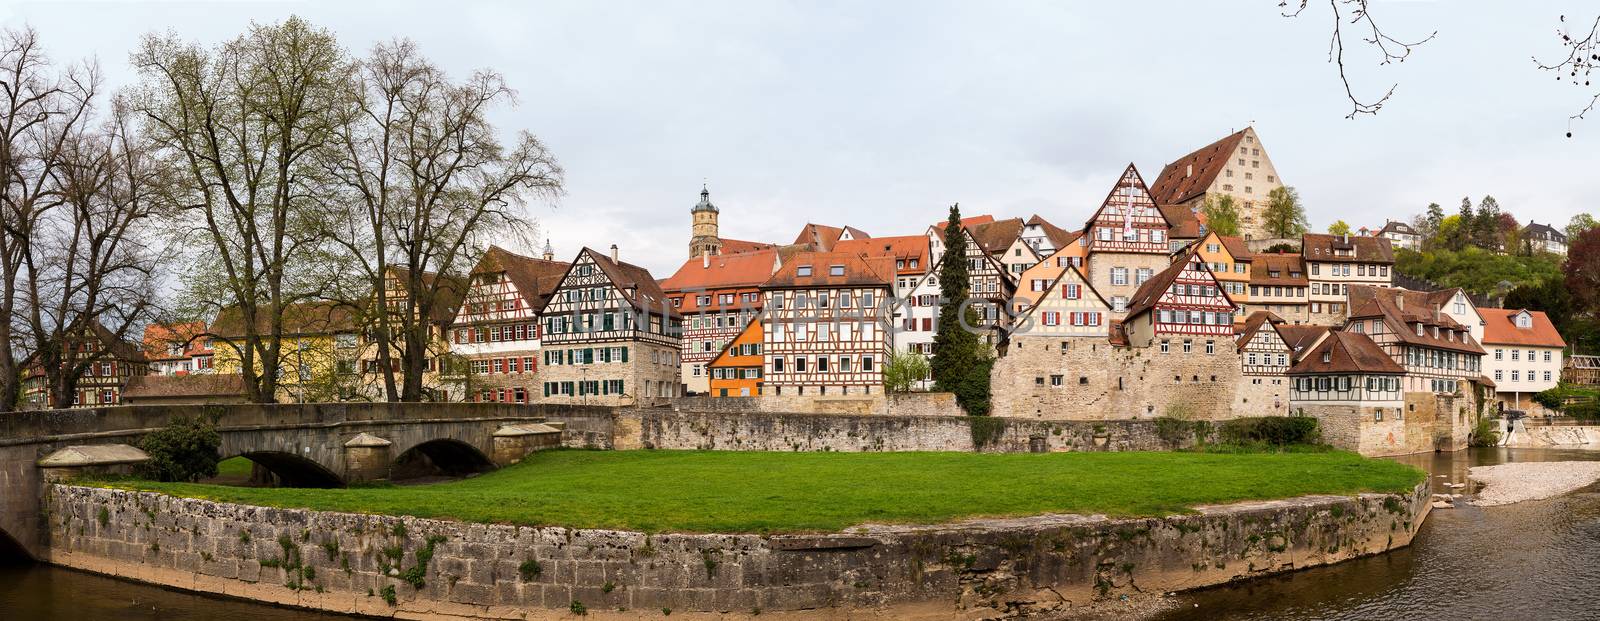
{"points": [[624, 353]]}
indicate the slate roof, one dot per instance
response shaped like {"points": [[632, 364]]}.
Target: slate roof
{"points": [[1348, 352], [1535, 230], [1395, 226], [1500, 328], [1189, 176], [1320, 247], [858, 271]]}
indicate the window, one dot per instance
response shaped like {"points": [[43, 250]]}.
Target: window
{"points": [[1143, 274], [1119, 304], [1211, 347], [803, 270], [866, 364], [1188, 346], [1119, 275], [1166, 346], [835, 270]]}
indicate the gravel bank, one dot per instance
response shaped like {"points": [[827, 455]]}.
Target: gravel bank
{"points": [[1508, 483]]}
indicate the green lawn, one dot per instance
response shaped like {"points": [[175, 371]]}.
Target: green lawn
{"points": [[234, 468], [764, 492]]}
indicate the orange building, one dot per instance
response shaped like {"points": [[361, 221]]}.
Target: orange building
{"points": [[736, 371]]}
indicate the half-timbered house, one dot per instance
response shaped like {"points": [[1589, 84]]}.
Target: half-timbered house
{"points": [[990, 284], [610, 335], [717, 296], [827, 331], [1264, 354], [103, 361], [1278, 285], [495, 336], [1127, 241], [1183, 305], [1354, 390], [1438, 353], [1067, 307], [1035, 281], [736, 371]]}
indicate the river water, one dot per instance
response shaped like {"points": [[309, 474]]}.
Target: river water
{"points": [[1531, 560]]}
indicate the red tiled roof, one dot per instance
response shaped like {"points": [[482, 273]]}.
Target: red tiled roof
{"points": [[1320, 247], [1185, 223], [302, 318], [822, 237], [635, 283], [735, 246], [1384, 304], [191, 385], [1301, 336], [158, 337], [857, 271], [721, 271], [1191, 175], [1059, 237], [1500, 328], [901, 248], [969, 224], [1262, 266], [535, 279], [997, 236], [1254, 323], [1348, 352]]}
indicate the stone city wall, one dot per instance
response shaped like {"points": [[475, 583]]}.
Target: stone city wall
{"points": [[410, 567], [1430, 422], [1042, 378], [898, 404], [755, 431]]}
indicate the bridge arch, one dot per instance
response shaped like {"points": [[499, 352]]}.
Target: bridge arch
{"points": [[12, 552], [440, 457], [292, 470]]}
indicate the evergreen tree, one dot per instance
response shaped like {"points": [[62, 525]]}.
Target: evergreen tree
{"points": [[1430, 223], [960, 364], [1486, 225], [1285, 217], [1222, 215], [1460, 236]]}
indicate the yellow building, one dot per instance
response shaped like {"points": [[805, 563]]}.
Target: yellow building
{"points": [[317, 359], [737, 369], [1229, 261]]}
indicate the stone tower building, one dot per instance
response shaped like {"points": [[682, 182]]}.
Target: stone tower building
{"points": [[704, 239]]}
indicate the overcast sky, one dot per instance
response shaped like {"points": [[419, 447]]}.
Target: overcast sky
{"points": [[879, 115]]}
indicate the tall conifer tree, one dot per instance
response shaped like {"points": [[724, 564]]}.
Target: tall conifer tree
{"points": [[959, 362]]}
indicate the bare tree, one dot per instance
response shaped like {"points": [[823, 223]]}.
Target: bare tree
{"points": [[1583, 56], [41, 109], [1357, 14], [90, 268], [426, 183], [241, 124]]}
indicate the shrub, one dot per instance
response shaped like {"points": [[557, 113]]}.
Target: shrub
{"points": [[1272, 430], [985, 430], [1485, 433], [183, 451]]}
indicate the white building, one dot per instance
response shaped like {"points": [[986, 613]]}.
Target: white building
{"points": [[1524, 355]]}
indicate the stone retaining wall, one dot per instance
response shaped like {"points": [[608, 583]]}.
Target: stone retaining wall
{"points": [[896, 404], [395, 566], [667, 429]]}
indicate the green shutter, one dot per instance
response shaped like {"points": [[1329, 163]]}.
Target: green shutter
{"points": [[624, 353]]}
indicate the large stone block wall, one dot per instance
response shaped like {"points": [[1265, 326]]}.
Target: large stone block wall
{"points": [[1101, 382], [1431, 422], [430, 568], [759, 431], [896, 404]]}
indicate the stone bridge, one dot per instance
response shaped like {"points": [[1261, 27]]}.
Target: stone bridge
{"points": [[302, 445]]}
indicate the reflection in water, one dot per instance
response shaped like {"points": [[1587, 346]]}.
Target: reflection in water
{"points": [[1531, 560], [44, 593]]}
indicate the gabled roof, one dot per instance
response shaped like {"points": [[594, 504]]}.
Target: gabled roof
{"points": [[1055, 289], [1151, 291], [995, 237], [638, 287], [1400, 311], [1500, 328], [1320, 247], [1190, 176], [1130, 177], [901, 248], [969, 222], [1395, 226], [451, 291], [1256, 322], [1236, 246], [535, 279], [755, 322], [723, 271], [1185, 222], [1347, 352], [822, 237], [1058, 236], [857, 271], [1300, 336], [158, 337]]}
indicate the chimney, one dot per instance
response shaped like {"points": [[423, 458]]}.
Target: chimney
{"points": [[614, 253], [1400, 301], [705, 257], [1188, 171]]}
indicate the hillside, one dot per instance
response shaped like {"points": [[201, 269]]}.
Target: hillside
{"points": [[1478, 271]]}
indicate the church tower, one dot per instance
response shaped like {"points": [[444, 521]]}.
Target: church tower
{"points": [[703, 230]]}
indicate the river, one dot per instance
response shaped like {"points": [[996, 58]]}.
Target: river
{"points": [[1535, 559], [1530, 560]]}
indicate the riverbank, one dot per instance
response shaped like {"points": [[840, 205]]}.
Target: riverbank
{"points": [[825, 492], [406, 566], [1511, 483]]}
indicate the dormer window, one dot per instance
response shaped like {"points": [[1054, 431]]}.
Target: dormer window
{"points": [[836, 270], [1524, 320], [803, 270], [1419, 328], [1327, 356]]}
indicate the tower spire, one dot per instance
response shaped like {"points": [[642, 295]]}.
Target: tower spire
{"points": [[549, 251]]}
